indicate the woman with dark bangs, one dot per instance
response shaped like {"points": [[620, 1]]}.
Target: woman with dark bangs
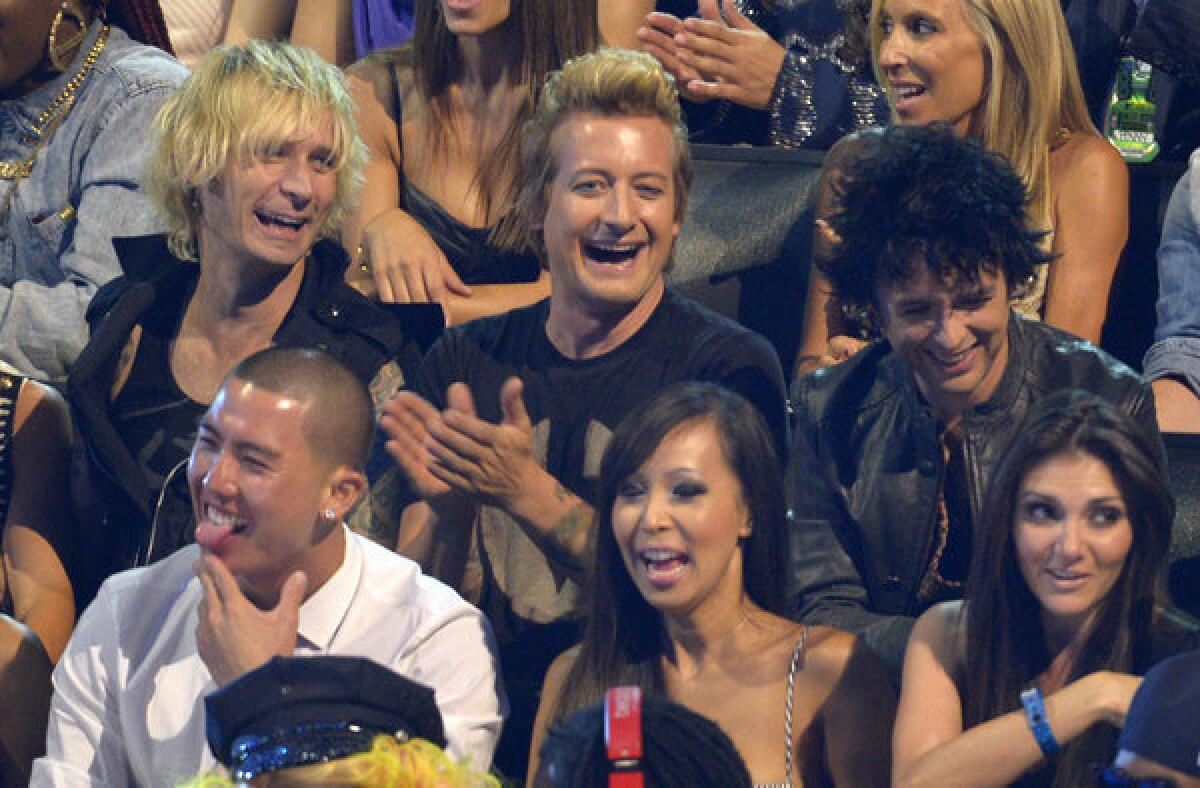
{"points": [[687, 600], [441, 119], [1027, 679]]}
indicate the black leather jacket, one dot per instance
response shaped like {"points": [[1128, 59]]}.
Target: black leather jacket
{"points": [[866, 468], [123, 522]]}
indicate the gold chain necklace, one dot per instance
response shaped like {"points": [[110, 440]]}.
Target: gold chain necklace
{"points": [[50, 117]]}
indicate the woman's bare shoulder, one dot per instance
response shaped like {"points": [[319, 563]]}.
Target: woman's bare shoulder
{"points": [[828, 652], [1083, 155], [944, 628], [387, 75], [770, 649], [48, 405]]}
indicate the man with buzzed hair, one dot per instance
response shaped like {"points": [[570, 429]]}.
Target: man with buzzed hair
{"points": [[343, 433], [276, 466]]}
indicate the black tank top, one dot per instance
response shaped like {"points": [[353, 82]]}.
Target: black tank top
{"points": [[469, 250], [154, 418]]}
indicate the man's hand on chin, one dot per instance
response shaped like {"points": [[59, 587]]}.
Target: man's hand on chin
{"points": [[232, 634]]}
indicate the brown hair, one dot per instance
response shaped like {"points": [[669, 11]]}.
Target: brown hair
{"points": [[142, 19], [549, 32]]}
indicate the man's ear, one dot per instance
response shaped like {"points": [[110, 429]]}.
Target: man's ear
{"points": [[346, 486]]}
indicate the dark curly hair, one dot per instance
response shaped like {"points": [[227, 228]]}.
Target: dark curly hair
{"points": [[925, 194]]}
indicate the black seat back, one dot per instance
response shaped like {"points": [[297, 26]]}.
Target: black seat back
{"points": [[746, 243], [1183, 460]]}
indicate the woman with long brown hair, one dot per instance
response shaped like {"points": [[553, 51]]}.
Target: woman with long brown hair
{"points": [[441, 120], [686, 600], [1027, 679]]}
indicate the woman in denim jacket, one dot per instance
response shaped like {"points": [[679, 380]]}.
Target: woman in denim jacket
{"points": [[77, 96]]}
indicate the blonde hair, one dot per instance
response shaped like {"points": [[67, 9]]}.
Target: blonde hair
{"points": [[240, 102], [609, 82], [1032, 90], [388, 764]]}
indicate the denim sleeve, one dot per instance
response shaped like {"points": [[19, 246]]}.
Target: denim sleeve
{"points": [[1176, 348], [62, 231]]}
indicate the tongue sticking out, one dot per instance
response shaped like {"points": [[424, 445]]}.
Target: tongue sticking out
{"points": [[213, 537]]}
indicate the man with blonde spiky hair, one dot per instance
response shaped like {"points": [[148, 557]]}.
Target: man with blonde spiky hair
{"points": [[257, 159], [502, 435]]}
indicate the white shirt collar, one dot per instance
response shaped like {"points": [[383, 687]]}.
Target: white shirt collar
{"points": [[322, 613]]}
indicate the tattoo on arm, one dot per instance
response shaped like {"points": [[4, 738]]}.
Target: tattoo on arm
{"points": [[560, 542], [386, 384]]}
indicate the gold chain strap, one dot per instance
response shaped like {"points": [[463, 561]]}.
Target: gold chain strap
{"points": [[65, 99], [47, 122], [49, 118]]}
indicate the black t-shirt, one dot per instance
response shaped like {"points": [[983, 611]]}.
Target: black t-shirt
{"points": [[575, 406], [155, 419]]}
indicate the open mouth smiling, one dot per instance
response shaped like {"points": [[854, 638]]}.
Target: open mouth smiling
{"points": [[663, 566], [952, 361], [907, 90], [221, 519], [608, 253], [1066, 576], [280, 221]]}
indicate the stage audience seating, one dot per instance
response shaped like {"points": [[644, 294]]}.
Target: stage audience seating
{"points": [[745, 244]]}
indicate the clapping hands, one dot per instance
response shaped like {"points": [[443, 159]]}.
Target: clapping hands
{"points": [[713, 59]]}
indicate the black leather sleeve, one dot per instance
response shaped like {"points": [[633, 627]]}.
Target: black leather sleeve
{"points": [[1141, 408], [826, 585]]}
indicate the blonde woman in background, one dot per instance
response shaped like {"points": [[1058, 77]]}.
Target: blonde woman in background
{"points": [[1002, 72]]}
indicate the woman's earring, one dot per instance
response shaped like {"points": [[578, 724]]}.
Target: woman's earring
{"points": [[330, 514], [59, 50]]}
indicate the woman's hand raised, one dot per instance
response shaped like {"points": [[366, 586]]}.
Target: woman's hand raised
{"points": [[713, 59]]}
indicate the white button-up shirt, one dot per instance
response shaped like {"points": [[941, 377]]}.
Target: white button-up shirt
{"points": [[128, 692]]}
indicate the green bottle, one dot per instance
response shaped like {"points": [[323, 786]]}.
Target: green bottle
{"points": [[1129, 123]]}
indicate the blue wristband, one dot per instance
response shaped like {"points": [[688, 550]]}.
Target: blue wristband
{"points": [[1035, 714]]}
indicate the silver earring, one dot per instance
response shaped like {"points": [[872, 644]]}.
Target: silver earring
{"points": [[330, 514]]}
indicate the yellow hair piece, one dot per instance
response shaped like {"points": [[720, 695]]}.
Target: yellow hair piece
{"points": [[389, 764]]}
